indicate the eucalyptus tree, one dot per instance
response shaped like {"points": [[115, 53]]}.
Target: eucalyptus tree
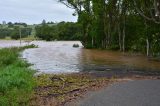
{"points": [[148, 9], [110, 23], [83, 10]]}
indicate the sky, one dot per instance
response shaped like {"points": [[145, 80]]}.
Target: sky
{"points": [[34, 11]]}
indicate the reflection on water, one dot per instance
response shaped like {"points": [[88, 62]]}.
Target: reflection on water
{"points": [[61, 57], [54, 57], [118, 59]]}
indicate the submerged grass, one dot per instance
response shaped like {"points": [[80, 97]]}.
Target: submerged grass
{"points": [[56, 90], [16, 79]]}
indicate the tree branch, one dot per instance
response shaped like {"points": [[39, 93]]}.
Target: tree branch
{"points": [[66, 4], [143, 15]]}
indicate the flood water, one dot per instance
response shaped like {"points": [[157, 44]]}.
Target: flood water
{"points": [[60, 57], [11, 43]]}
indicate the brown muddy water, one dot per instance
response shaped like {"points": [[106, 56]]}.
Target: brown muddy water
{"points": [[11, 43], [60, 57]]}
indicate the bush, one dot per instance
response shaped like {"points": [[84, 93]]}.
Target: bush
{"points": [[7, 56], [16, 79]]}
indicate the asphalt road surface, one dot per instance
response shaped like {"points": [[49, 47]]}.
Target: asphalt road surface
{"points": [[132, 93]]}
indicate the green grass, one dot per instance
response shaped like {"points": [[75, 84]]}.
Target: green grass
{"points": [[16, 79]]}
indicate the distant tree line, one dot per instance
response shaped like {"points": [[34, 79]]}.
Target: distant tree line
{"points": [[14, 32], [10, 24], [59, 31]]}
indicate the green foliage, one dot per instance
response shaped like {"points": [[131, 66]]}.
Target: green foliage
{"points": [[16, 85], [10, 25], [7, 56], [118, 24], [14, 30], [61, 31], [16, 79], [23, 31], [5, 32], [45, 32], [14, 33], [68, 31]]}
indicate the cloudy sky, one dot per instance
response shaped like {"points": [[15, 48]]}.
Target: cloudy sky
{"points": [[34, 11]]}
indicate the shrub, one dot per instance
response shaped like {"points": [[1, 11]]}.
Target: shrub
{"points": [[16, 79]]}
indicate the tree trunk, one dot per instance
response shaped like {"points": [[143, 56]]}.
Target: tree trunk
{"points": [[157, 8], [86, 28], [119, 34], [109, 33], [148, 46], [124, 36], [92, 41], [105, 30]]}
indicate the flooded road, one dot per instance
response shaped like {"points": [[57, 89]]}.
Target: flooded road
{"points": [[61, 57], [11, 43], [54, 57]]}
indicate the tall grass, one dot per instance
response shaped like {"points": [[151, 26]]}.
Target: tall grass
{"points": [[16, 79]]}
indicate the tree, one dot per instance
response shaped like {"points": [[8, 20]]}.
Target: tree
{"points": [[119, 24], [15, 33], [83, 10], [61, 31], [10, 24], [43, 22], [148, 9]]}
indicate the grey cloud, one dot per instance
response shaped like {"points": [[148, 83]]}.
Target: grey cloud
{"points": [[34, 11]]}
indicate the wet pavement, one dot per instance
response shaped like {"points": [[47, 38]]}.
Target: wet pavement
{"points": [[132, 93]]}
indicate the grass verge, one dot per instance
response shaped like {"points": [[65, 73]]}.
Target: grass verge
{"points": [[16, 79]]}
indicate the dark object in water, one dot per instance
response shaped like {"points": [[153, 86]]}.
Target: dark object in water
{"points": [[76, 45]]}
